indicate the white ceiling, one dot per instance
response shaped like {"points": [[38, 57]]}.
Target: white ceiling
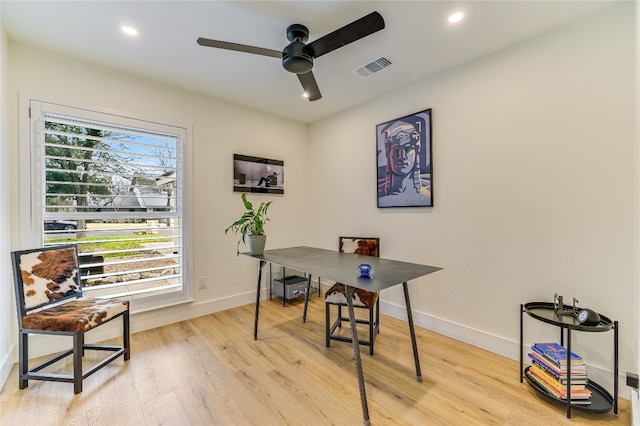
{"points": [[417, 39]]}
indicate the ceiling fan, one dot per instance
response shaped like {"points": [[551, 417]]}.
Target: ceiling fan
{"points": [[297, 57]]}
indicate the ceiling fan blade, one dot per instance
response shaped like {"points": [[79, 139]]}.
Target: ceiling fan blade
{"points": [[239, 47], [310, 86], [356, 30]]}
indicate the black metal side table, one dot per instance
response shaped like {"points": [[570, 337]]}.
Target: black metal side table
{"points": [[601, 400]]}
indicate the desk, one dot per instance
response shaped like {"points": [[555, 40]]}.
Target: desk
{"points": [[343, 267]]}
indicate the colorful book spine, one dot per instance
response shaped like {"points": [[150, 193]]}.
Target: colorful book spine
{"points": [[576, 379], [554, 382], [556, 353], [583, 400], [577, 371]]}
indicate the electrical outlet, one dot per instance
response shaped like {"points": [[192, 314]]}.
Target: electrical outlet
{"points": [[202, 282]]}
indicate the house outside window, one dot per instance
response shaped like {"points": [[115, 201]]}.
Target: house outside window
{"points": [[116, 187]]}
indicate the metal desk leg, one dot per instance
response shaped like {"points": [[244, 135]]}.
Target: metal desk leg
{"points": [[413, 331], [356, 351], [270, 280], [306, 298], [615, 367], [568, 373], [284, 285], [255, 326], [521, 342]]}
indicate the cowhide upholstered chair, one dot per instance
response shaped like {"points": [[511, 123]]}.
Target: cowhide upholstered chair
{"points": [[363, 299], [49, 298]]}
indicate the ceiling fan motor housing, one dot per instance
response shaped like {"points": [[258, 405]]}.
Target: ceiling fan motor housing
{"points": [[295, 59]]}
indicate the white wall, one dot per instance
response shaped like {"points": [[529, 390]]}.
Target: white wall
{"points": [[635, 396], [219, 130], [534, 165], [7, 313]]}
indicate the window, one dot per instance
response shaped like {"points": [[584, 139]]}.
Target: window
{"points": [[115, 186]]}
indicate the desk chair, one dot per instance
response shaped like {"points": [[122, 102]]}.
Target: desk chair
{"points": [[48, 290], [363, 299]]}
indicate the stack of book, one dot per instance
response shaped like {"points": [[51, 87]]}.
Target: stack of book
{"points": [[549, 370]]}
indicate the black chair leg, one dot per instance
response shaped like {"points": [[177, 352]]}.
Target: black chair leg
{"points": [[372, 323], [24, 360], [327, 325], [378, 316], [372, 336], [78, 350], [125, 335]]}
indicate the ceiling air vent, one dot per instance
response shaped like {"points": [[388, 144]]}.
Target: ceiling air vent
{"points": [[373, 67]]}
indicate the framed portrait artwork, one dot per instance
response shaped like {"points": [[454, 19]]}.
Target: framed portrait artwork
{"points": [[404, 161], [257, 174]]}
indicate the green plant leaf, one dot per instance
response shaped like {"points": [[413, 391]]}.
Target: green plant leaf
{"points": [[247, 203], [252, 220]]}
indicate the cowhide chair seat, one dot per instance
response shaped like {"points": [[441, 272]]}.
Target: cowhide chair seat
{"points": [[77, 316], [48, 290], [369, 300], [337, 295]]}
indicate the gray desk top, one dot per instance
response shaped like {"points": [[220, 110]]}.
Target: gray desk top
{"points": [[343, 267]]}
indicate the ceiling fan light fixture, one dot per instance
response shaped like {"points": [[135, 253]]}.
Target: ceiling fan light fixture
{"points": [[129, 30], [456, 17]]}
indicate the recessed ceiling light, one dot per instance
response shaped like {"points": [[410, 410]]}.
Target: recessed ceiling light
{"points": [[305, 95], [129, 30], [456, 17]]}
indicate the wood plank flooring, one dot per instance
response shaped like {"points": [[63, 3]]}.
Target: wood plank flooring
{"points": [[210, 371]]}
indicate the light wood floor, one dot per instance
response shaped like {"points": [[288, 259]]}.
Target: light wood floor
{"points": [[210, 371]]}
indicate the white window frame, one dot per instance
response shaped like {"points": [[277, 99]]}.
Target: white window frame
{"points": [[30, 186]]}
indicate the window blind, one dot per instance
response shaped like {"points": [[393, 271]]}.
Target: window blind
{"points": [[115, 191]]}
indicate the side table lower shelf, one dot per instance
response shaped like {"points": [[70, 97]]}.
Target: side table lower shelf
{"points": [[601, 400]]}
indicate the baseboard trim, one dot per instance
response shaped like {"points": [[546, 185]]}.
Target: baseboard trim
{"points": [[6, 365], [635, 407]]}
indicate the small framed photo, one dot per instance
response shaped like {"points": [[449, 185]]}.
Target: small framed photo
{"points": [[404, 161], [257, 174]]}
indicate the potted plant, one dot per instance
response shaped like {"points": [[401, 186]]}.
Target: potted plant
{"points": [[251, 225]]}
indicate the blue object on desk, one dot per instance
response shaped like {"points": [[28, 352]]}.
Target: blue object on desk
{"points": [[366, 271]]}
